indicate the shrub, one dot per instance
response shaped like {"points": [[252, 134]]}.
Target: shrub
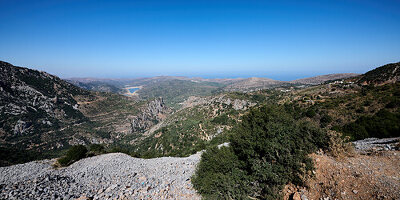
{"points": [[97, 148], [73, 154], [268, 149], [339, 146], [325, 120], [310, 113], [222, 119], [219, 175], [382, 124]]}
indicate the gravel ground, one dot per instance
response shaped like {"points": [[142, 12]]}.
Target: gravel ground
{"points": [[374, 144], [108, 176]]}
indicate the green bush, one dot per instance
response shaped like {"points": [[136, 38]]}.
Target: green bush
{"points": [[219, 175], [222, 119], [325, 120], [267, 150], [382, 124], [73, 154], [310, 113], [97, 148]]}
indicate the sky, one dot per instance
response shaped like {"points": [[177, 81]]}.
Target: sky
{"points": [[282, 40]]}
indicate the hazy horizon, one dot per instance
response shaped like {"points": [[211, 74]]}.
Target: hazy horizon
{"points": [[282, 77]]}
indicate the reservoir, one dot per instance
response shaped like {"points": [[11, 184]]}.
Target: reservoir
{"points": [[132, 90]]}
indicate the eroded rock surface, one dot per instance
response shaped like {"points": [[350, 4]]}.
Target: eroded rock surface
{"points": [[150, 115]]}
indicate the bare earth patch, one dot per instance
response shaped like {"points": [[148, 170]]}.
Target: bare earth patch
{"points": [[371, 176]]}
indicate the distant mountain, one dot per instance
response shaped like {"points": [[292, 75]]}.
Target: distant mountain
{"points": [[389, 73], [164, 85], [253, 83], [321, 79], [96, 86]]}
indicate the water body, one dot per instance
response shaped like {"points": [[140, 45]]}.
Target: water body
{"points": [[132, 90]]}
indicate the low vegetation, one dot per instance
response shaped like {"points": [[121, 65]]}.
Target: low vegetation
{"points": [[73, 154], [268, 149], [381, 125]]}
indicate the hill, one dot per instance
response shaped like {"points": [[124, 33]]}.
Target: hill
{"points": [[33, 103], [96, 85], [253, 83], [323, 78], [389, 73]]}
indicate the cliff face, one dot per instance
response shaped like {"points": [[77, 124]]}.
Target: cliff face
{"points": [[151, 114]]}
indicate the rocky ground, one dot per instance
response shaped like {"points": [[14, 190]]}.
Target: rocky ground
{"points": [[373, 172], [108, 176]]}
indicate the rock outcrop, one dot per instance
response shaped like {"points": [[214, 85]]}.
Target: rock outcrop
{"points": [[154, 112], [237, 104]]}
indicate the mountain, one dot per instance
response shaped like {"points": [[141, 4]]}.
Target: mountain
{"points": [[33, 106], [32, 100], [323, 78]]}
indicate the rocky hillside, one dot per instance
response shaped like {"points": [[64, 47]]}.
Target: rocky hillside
{"points": [[33, 103], [389, 73], [200, 122], [154, 112], [31, 100]]}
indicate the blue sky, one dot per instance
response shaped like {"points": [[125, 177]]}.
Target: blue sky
{"points": [[277, 39]]}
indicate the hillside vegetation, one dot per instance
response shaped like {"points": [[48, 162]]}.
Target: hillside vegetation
{"points": [[389, 73], [268, 149]]}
